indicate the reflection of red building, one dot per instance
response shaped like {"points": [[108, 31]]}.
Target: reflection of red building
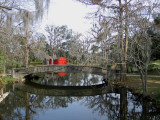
{"points": [[62, 74]]}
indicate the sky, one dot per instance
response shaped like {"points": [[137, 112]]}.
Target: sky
{"points": [[70, 13]]}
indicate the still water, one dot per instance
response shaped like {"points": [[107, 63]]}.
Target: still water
{"points": [[73, 96]]}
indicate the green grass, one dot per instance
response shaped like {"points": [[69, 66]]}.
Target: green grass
{"points": [[6, 79], [9, 79], [35, 63]]}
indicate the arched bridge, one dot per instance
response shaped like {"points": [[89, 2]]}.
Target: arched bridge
{"points": [[21, 72]]}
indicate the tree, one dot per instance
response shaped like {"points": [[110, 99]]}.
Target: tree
{"points": [[57, 36], [16, 8], [141, 54], [140, 42], [102, 37], [119, 18], [75, 48], [38, 48], [122, 14], [27, 19], [154, 33]]}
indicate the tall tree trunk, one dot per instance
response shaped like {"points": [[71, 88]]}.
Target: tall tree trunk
{"points": [[4, 67], [27, 47], [125, 42], [4, 62], [144, 81], [121, 40], [145, 67]]}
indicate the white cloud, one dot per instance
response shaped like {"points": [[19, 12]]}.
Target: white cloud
{"points": [[70, 13]]}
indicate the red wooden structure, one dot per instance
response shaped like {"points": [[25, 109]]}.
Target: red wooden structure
{"points": [[50, 61], [55, 61], [61, 61]]}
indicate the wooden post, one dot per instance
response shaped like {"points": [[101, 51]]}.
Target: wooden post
{"points": [[1, 91]]}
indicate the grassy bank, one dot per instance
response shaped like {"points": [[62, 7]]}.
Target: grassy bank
{"points": [[134, 83], [6, 79]]}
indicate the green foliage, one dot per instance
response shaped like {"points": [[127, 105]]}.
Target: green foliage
{"points": [[9, 64], [154, 65], [6, 79], [19, 38], [109, 66], [9, 79], [157, 20], [36, 63], [154, 33], [2, 81], [13, 64]]}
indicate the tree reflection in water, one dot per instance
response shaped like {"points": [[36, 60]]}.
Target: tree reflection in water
{"points": [[71, 79], [120, 105], [107, 105]]}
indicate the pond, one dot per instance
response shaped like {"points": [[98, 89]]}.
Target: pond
{"points": [[73, 96]]}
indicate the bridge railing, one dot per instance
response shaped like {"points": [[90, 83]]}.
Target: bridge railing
{"points": [[21, 72]]}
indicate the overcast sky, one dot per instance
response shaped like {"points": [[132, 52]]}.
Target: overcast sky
{"points": [[70, 13]]}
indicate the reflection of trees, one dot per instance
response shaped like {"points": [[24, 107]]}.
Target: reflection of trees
{"points": [[12, 107], [19, 105], [59, 102], [142, 109], [122, 106], [107, 105], [71, 79]]}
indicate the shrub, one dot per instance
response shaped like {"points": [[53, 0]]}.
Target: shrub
{"points": [[154, 65], [9, 79], [36, 63], [2, 81]]}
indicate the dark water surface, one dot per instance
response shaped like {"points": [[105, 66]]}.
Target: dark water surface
{"points": [[73, 96]]}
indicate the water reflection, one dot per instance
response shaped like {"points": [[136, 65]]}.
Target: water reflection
{"points": [[61, 74], [3, 94], [23, 105], [66, 79], [115, 104]]}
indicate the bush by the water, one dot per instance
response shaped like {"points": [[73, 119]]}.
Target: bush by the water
{"points": [[154, 65], [2, 81]]}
